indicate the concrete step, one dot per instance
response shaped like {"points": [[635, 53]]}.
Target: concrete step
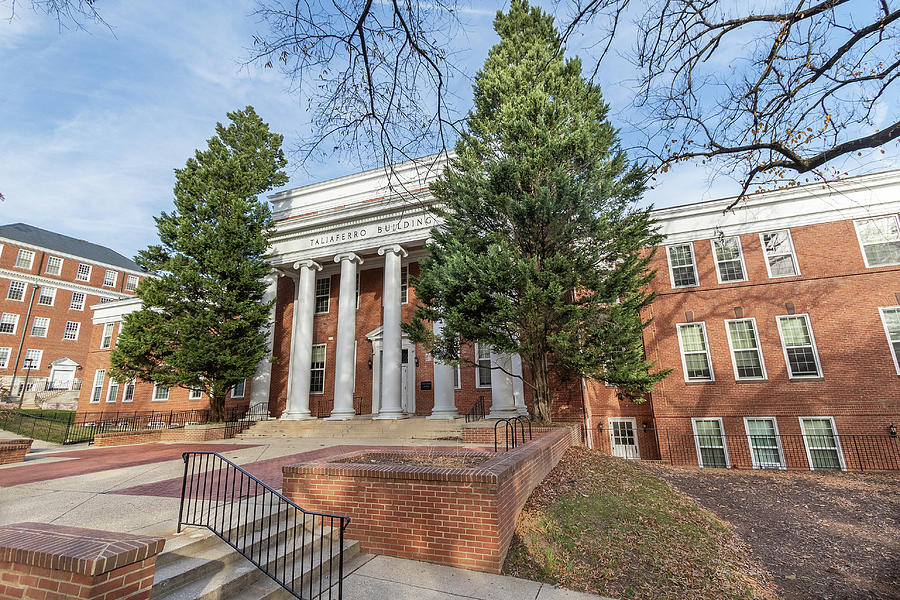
{"points": [[413, 428]]}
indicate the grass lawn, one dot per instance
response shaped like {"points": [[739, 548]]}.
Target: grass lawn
{"points": [[601, 525], [59, 415]]}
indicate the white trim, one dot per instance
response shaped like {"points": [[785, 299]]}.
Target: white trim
{"points": [[66, 330], [97, 386], [862, 248], [30, 260], [887, 333], [837, 441], [790, 240], [50, 257], [72, 305], [316, 296], [4, 362], [10, 288], [57, 253], [128, 279], [243, 391], [712, 373], [40, 358], [109, 389], [15, 323], [762, 361], [324, 369], [404, 300], [721, 435], [812, 339], [45, 288], [478, 369], [195, 394], [115, 278], [103, 344], [62, 284], [782, 465], [130, 383], [634, 429], [669, 247], [89, 272], [156, 386], [34, 323], [715, 257]]}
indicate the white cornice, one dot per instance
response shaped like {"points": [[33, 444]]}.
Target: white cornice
{"points": [[62, 284], [52, 252], [109, 312]]}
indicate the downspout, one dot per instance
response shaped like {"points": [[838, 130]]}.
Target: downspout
{"points": [[12, 385], [586, 418]]}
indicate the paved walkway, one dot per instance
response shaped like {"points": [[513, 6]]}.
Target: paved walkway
{"points": [[136, 489]]}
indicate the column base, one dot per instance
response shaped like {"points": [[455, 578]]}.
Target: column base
{"points": [[503, 413], [392, 416], [341, 415], [443, 415], [522, 410], [296, 416]]}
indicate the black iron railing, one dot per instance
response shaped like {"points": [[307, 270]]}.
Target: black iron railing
{"points": [[851, 452], [303, 551], [510, 430], [477, 412]]}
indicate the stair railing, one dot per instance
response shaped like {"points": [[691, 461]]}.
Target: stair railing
{"points": [[301, 550], [477, 412]]}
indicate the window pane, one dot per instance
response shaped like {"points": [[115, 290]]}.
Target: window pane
{"points": [[802, 361], [323, 292], [764, 443], [881, 240], [728, 257], [681, 261], [697, 366], [748, 364], [692, 338], [711, 443], [795, 331], [743, 336]]}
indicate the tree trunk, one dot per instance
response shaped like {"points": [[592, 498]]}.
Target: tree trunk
{"points": [[216, 408], [543, 401]]}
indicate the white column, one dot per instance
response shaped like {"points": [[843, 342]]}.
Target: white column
{"points": [[301, 343], [502, 402], [444, 396], [391, 403], [259, 386], [518, 386], [344, 367]]}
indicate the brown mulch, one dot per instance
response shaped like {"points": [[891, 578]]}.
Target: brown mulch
{"points": [[455, 461], [830, 536]]}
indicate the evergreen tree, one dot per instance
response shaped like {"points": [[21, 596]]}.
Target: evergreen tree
{"points": [[203, 323], [542, 250]]}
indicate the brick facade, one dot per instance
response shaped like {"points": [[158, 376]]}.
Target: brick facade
{"points": [[14, 451]]}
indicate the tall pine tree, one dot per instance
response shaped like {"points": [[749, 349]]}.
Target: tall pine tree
{"points": [[202, 323], [542, 250]]}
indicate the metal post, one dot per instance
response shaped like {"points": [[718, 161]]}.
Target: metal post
{"points": [[183, 485]]}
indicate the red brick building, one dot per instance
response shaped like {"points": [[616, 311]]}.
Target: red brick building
{"points": [[48, 282]]}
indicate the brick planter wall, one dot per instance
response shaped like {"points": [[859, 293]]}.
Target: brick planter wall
{"points": [[188, 433], [462, 517], [53, 562], [482, 432], [14, 451]]}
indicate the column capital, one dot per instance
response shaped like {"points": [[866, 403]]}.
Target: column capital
{"points": [[394, 248], [283, 273], [307, 264], [348, 256]]}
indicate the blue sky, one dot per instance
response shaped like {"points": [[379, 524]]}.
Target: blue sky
{"points": [[94, 122]]}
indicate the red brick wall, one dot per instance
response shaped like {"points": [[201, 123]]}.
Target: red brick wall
{"points": [[179, 434], [14, 451]]}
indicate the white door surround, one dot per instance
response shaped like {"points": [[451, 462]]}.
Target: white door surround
{"points": [[623, 437], [408, 371]]}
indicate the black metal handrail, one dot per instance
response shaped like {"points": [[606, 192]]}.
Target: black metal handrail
{"points": [[510, 426], [281, 538], [477, 412]]}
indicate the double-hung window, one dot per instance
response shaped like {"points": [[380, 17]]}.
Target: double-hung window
{"points": [[40, 326], [4, 357], [106, 339], [729, 259], [879, 239], [709, 438], [357, 290], [99, 375], [77, 302], [131, 283], [682, 266], [128, 391], [483, 368], [890, 317], [110, 278], [33, 359], [24, 259], [404, 284], [71, 330], [323, 294], [695, 358], [765, 443], [457, 380], [195, 394], [160, 392], [317, 370], [16, 290], [47, 296], [238, 390], [781, 260], [823, 447], [54, 265], [113, 392], [746, 355], [9, 322], [800, 353]]}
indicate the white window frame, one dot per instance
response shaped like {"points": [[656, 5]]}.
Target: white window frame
{"points": [[9, 291], [790, 240], [107, 337], [106, 277], [110, 396], [24, 252], [721, 433], [50, 292], [812, 339], [404, 284], [90, 270], [478, 368], [887, 332], [156, 387], [80, 306], [316, 296], [862, 248], [762, 361], [740, 258], [195, 394], [324, 369], [458, 371], [693, 264], [782, 464], [357, 290], [128, 285], [128, 385], [5, 353], [243, 385], [53, 259], [66, 331], [837, 441], [40, 358], [15, 323], [712, 372], [46, 326], [97, 388]]}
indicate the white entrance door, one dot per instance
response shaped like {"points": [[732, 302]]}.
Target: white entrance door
{"points": [[623, 437]]}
